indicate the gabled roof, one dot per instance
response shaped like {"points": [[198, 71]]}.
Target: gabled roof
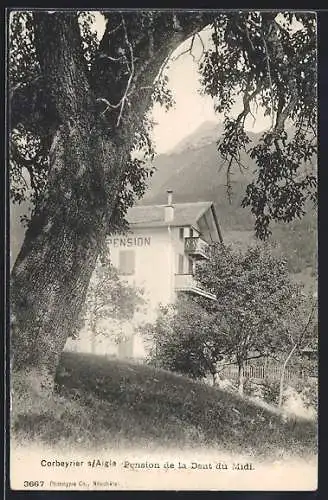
{"points": [[185, 214]]}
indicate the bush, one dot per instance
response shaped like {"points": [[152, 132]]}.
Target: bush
{"points": [[253, 389], [248, 387], [270, 391], [185, 339]]}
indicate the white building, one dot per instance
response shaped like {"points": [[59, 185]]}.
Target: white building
{"points": [[158, 254]]}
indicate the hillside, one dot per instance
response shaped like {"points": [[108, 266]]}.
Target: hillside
{"points": [[192, 169], [195, 159], [103, 402]]}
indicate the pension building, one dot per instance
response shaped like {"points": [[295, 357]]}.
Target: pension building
{"points": [[158, 255]]}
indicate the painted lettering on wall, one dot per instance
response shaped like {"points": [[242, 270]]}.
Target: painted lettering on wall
{"points": [[139, 241]]}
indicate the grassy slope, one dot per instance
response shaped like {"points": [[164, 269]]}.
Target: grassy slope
{"points": [[114, 403]]}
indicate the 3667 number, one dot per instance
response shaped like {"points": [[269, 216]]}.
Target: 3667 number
{"points": [[33, 484]]}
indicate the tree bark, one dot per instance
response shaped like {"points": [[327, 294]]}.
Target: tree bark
{"points": [[214, 378], [241, 377], [53, 269], [87, 162], [93, 338], [51, 274], [282, 375]]}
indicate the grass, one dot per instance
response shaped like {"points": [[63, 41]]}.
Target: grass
{"points": [[110, 403]]}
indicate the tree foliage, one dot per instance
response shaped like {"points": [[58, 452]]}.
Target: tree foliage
{"points": [[270, 60], [93, 112], [267, 58], [298, 332], [256, 310], [33, 117], [256, 297], [253, 290], [185, 338]]}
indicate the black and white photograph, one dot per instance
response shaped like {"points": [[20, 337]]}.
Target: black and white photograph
{"points": [[163, 277]]}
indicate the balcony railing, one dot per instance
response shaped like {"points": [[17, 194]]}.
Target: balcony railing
{"points": [[187, 283], [196, 247]]}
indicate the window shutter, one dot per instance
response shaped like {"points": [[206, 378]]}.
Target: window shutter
{"points": [[127, 262]]}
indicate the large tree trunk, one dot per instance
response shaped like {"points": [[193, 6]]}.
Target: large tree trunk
{"points": [[53, 269], [87, 162]]}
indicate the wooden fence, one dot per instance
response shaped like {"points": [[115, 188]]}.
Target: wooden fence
{"points": [[262, 372]]}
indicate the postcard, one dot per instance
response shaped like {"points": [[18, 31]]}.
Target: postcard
{"points": [[162, 173]]}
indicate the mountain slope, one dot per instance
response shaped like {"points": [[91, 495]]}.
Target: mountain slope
{"points": [[193, 170]]}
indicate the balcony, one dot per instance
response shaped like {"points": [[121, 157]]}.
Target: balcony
{"points": [[187, 283], [196, 247]]}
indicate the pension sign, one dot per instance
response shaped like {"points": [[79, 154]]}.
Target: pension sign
{"points": [[138, 241]]}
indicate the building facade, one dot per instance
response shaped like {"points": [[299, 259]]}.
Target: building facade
{"points": [[158, 255]]}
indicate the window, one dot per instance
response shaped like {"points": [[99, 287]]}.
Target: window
{"points": [[180, 264], [126, 265], [191, 232], [190, 266], [181, 233]]}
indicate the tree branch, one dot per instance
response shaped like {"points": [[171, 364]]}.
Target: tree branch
{"points": [[125, 95], [203, 47], [167, 36], [187, 51], [269, 77]]}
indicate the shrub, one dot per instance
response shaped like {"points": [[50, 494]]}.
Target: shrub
{"points": [[270, 391]]}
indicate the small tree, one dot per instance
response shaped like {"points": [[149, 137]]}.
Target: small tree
{"points": [[254, 294], [111, 299], [298, 332], [187, 339]]}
